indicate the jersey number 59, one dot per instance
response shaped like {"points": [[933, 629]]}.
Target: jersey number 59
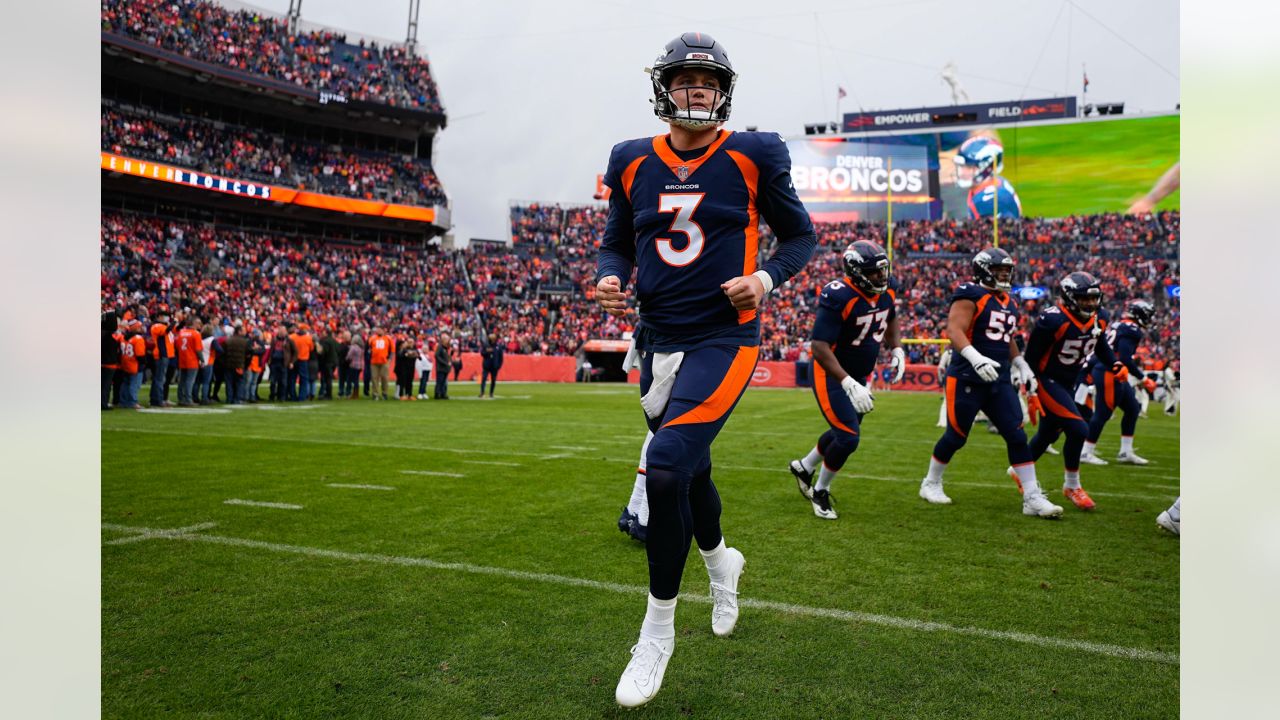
{"points": [[683, 205]]}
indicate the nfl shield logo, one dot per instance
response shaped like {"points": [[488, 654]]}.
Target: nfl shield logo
{"points": [[682, 172]]}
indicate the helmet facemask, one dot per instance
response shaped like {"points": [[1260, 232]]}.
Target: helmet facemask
{"points": [[668, 102]]}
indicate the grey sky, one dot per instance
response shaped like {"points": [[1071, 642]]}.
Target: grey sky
{"points": [[538, 92]]}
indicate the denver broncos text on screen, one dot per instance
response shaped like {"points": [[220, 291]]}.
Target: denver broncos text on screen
{"points": [[689, 222]]}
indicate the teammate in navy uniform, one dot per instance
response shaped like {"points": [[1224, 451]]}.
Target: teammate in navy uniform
{"points": [[978, 164], [1116, 390], [854, 316], [684, 212], [1063, 337], [984, 368]]}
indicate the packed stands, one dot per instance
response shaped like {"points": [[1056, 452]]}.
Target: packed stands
{"points": [[223, 149], [251, 42], [537, 295]]}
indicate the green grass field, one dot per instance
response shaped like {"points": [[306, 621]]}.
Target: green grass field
{"points": [[502, 587], [1091, 167]]}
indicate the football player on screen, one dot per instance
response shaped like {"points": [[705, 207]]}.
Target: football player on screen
{"points": [[978, 163], [855, 315]]}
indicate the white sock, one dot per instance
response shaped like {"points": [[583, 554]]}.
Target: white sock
{"points": [[935, 470], [942, 413], [1071, 480], [660, 622], [714, 558], [1126, 444], [637, 504], [1027, 476], [811, 460], [1088, 447], [1175, 510], [825, 476]]}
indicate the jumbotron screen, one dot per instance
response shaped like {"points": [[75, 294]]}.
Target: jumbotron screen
{"points": [[1053, 170]]}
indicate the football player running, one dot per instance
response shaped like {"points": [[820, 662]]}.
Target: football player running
{"points": [[684, 212], [984, 368], [855, 315], [1115, 390], [1062, 339]]}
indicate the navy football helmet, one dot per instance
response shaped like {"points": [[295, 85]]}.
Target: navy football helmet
{"points": [[978, 160], [692, 50], [1081, 293], [993, 269], [1142, 312], [867, 265]]}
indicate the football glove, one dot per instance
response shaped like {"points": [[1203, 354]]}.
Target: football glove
{"points": [[1034, 409], [1149, 385], [1022, 376], [898, 364], [1121, 372], [987, 369], [858, 394]]}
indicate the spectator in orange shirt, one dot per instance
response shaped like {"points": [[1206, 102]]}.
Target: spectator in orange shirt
{"points": [[380, 350], [132, 351], [304, 343], [162, 355], [190, 355]]}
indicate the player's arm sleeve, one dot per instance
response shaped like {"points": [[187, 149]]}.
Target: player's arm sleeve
{"points": [[1039, 344], [1126, 346], [618, 248], [786, 215], [828, 321]]}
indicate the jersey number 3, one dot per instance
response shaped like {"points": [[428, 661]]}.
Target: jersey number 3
{"points": [[683, 205]]}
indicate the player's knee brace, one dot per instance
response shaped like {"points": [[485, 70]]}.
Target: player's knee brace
{"points": [[842, 445]]}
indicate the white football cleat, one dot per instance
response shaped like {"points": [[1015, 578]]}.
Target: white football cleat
{"points": [[724, 597], [1130, 457], [804, 479], [1052, 450], [1092, 459], [643, 677], [1040, 506], [932, 491], [1166, 521]]}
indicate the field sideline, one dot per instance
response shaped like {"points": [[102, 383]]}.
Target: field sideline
{"points": [[460, 559]]}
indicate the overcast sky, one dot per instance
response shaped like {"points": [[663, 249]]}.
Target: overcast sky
{"points": [[538, 92]]}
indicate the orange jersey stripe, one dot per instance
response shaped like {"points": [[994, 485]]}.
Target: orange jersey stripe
{"points": [[824, 399], [1053, 406], [629, 175], [951, 405], [751, 244], [724, 396]]}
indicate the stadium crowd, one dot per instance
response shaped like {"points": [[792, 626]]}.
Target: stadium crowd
{"points": [[245, 154], [536, 297], [249, 41]]}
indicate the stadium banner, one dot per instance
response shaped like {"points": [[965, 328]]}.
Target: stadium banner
{"points": [[774, 374], [981, 113], [521, 368], [919, 378], [850, 179], [1052, 170], [261, 191]]}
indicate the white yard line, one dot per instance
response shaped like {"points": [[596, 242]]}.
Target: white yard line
{"points": [[255, 503], [359, 487], [314, 441], [491, 462], [1117, 651], [153, 534], [436, 473]]}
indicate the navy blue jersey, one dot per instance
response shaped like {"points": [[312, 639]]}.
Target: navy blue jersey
{"points": [[995, 320], [854, 325], [1060, 344], [992, 196], [688, 222], [1124, 337]]}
